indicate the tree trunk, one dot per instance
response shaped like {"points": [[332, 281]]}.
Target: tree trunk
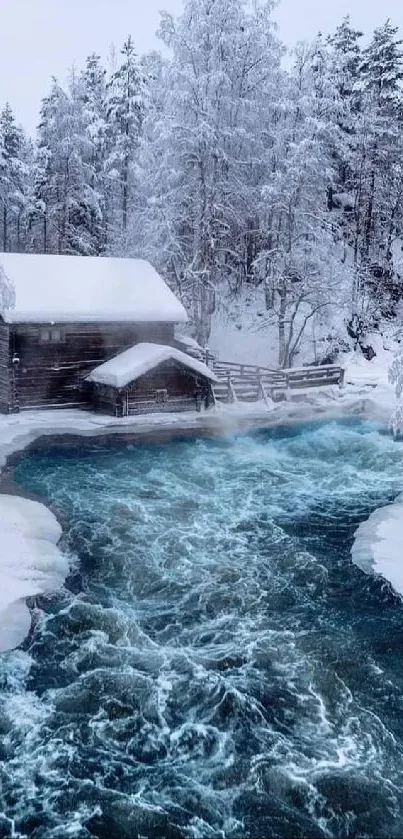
{"points": [[45, 233], [125, 194], [282, 353], [369, 215], [5, 229]]}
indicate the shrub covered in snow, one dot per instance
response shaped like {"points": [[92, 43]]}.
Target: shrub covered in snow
{"points": [[396, 379]]}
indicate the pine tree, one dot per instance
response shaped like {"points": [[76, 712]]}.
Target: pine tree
{"points": [[92, 95], [344, 62], [125, 116], [66, 204], [381, 73], [13, 179]]}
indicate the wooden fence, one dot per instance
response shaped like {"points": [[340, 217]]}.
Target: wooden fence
{"points": [[250, 383]]}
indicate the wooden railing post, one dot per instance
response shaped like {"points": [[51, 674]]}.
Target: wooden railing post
{"points": [[230, 389], [341, 379], [287, 387], [262, 392], [15, 402]]}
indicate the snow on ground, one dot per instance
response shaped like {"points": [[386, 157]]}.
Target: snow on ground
{"points": [[237, 333], [30, 560], [240, 332], [375, 372]]}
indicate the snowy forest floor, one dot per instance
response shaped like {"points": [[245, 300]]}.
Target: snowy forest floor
{"points": [[31, 561]]}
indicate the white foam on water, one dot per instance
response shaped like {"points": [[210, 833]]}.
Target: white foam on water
{"points": [[31, 563]]}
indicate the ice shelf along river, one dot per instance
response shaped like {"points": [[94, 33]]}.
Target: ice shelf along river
{"points": [[216, 665]]}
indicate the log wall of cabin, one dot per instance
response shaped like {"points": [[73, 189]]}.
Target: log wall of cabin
{"points": [[5, 368], [170, 376], [184, 391], [49, 373]]}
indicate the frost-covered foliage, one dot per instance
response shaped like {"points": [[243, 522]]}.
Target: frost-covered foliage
{"points": [[7, 293], [227, 168], [396, 379], [205, 141]]}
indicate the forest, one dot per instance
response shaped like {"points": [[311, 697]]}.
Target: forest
{"points": [[229, 163]]}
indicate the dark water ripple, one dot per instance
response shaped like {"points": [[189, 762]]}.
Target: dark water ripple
{"points": [[216, 666]]}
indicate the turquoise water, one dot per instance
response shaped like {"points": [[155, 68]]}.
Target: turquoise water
{"points": [[216, 666]]}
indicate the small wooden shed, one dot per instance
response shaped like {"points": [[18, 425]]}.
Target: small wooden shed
{"points": [[149, 378]]}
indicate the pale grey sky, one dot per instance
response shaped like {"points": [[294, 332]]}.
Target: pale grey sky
{"points": [[41, 38]]}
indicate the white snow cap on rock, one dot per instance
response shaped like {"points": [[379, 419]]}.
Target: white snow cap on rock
{"points": [[138, 360], [377, 544], [61, 289], [31, 563]]}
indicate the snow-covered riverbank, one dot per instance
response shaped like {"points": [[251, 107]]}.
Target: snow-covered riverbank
{"points": [[31, 562], [378, 545]]}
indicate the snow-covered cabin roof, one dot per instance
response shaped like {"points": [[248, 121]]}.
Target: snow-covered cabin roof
{"points": [[138, 360], [63, 289]]}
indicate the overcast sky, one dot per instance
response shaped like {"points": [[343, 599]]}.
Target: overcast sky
{"points": [[41, 38]]}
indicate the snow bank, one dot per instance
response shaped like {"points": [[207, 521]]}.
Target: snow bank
{"points": [[138, 360], [30, 563], [378, 545], [51, 288]]}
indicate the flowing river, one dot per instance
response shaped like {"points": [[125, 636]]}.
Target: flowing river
{"points": [[216, 666]]}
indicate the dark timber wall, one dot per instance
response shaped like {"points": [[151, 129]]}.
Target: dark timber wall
{"points": [[168, 387], [5, 367], [50, 372]]}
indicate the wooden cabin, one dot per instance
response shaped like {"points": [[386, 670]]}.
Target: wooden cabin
{"points": [[150, 377], [73, 314]]}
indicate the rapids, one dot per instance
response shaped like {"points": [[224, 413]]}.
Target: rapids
{"points": [[215, 666]]}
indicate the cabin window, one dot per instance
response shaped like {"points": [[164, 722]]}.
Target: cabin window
{"points": [[51, 335]]}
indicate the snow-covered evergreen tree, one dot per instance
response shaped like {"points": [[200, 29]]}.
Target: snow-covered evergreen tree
{"points": [[125, 114], [13, 180], [381, 151], [92, 98], [67, 206]]}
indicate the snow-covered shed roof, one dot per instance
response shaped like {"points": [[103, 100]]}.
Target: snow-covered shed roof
{"points": [[61, 289], [138, 360]]}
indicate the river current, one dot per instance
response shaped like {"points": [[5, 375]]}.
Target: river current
{"points": [[216, 666]]}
